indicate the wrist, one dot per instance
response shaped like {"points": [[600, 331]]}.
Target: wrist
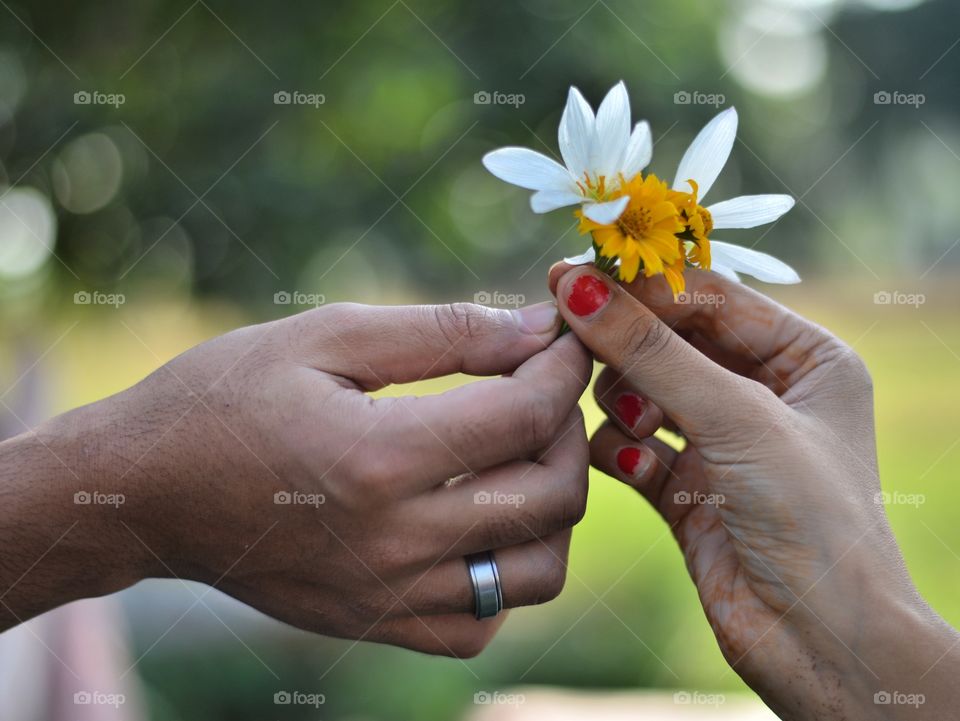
{"points": [[908, 661], [898, 661], [61, 542], [105, 444]]}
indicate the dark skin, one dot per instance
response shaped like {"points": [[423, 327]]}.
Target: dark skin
{"points": [[183, 473]]}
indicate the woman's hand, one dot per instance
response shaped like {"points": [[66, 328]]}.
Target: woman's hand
{"points": [[258, 463], [774, 498]]}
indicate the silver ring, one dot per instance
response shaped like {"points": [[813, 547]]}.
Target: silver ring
{"points": [[485, 577]]}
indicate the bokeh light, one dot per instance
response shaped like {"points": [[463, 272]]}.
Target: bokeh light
{"points": [[27, 231]]}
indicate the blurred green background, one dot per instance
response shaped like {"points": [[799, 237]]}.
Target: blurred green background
{"points": [[144, 157]]}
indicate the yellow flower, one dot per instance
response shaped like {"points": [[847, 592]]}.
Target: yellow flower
{"points": [[698, 224], [645, 232]]}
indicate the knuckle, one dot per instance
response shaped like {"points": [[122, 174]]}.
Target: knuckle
{"points": [[552, 580], [763, 406], [512, 525], [460, 321], [572, 504], [469, 645], [370, 606], [323, 320], [539, 418], [645, 336], [388, 559], [606, 386], [314, 328], [362, 480], [854, 369], [335, 312], [769, 417]]}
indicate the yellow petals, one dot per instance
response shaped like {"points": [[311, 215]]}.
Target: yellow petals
{"points": [[664, 230]]}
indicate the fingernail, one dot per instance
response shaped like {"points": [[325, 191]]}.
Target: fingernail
{"points": [[588, 295], [629, 407], [538, 319], [633, 461]]}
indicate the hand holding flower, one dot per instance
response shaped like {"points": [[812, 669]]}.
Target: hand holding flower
{"points": [[773, 499]]}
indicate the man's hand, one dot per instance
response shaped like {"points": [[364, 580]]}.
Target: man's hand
{"points": [[258, 463]]}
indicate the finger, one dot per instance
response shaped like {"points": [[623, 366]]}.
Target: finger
{"points": [[625, 406], [512, 503], [531, 573], [425, 440], [670, 481], [741, 329], [702, 397], [380, 345], [459, 635], [675, 485]]}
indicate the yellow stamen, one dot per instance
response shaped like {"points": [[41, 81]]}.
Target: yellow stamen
{"points": [[646, 231]]}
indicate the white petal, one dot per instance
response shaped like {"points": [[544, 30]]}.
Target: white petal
{"points": [[576, 133], [612, 131], [528, 169], [606, 213], [586, 257], [752, 262], [708, 153], [728, 273], [749, 211], [639, 150], [544, 201]]}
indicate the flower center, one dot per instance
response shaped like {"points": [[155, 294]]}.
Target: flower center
{"points": [[590, 189], [636, 221]]}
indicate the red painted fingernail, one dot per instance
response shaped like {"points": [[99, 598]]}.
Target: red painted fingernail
{"points": [[629, 407], [628, 459], [588, 295]]}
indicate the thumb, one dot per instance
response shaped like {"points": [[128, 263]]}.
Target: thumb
{"points": [[701, 397], [380, 345]]}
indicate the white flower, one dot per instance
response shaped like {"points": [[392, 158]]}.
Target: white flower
{"points": [[597, 152], [702, 163]]}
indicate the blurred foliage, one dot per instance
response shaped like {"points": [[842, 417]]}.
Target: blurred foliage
{"points": [[199, 182], [199, 198]]}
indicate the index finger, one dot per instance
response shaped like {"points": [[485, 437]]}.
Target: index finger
{"points": [[427, 439]]}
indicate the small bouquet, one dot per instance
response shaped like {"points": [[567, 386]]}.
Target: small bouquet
{"points": [[638, 223]]}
